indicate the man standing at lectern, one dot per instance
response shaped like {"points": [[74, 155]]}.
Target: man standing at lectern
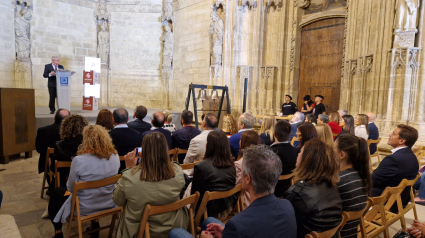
{"points": [[50, 73]]}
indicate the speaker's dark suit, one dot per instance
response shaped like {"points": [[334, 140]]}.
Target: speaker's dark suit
{"points": [[373, 135], [403, 164], [47, 136], [51, 84], [288, 155], [125, 140]]}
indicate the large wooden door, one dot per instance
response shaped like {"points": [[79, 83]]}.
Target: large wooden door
{"points": [[322, 44]]}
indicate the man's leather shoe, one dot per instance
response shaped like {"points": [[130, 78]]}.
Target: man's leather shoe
{"points": [[52, 112]]}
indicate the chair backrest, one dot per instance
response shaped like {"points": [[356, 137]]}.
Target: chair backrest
{"points": [[335, 134], [418, 150], [60, 164], [173, 153], [325, 234], [293, 140], [286, 177], [48, 153], [152, 210], [351, 216], [369, 204], [122, 158], [209, 196], [181, 151], [378, 204], [396, 196], [370, 141], [189, 166], [411, 183]]}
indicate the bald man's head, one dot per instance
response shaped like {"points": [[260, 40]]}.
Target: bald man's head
{"points": [[60, 115], [210, 121], [372, 116], [158, 119], [120, 116]]}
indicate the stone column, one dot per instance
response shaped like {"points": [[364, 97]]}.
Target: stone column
{"points": [[268, 81], [23, 65], [167, 52]]}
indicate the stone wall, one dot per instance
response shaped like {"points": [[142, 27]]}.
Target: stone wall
{"points": [[7, 44]]}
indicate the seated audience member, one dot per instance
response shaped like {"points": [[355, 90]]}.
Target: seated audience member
{"points": [[248, 138], [319, 108], [347, 124], [197, 145], [362, 127], [245, 123], [230, 126], [157, 122], [267, 216], [311, 118], [373, 132], [216, 173], [138, 124], [342, 112], [324, 133], [47, 136], [355, 180], [96, 159], [168, 125], [315, 196], [286, 152], [296, 119], [305, 132], [308, 105], [124, 138], [420, 187], [289, 108], [105, 119], [182, 137], [71, 133], [322, 119], [155, 181], [334, 123], [267, 130], [401, 164]]}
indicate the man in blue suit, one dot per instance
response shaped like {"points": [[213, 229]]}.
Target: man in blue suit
{"points": [[267, 216], [245, 123], [401, 164], [296, 119], [373, 132]]}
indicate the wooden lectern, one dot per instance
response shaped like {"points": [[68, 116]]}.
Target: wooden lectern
{"points": [[17, 122]]}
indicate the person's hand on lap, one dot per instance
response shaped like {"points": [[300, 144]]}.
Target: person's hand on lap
{"points": [[130, 159], [215, 229], [206, 234], [417, 230]]}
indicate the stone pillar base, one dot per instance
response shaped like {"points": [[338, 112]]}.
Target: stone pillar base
{"points": [[23, 74]]}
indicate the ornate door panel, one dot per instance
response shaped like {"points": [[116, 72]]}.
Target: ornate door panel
{"points": [[322, 44]]}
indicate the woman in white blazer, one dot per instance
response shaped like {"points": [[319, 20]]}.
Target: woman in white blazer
{"points": [[362, 126]]}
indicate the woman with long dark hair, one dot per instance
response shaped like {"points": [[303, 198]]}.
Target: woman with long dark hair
{"points": [[347, 124], [305, 132], [355, 179], [216, 173]]}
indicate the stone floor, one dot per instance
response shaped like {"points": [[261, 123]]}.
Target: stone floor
{"points": [[21, 184]]}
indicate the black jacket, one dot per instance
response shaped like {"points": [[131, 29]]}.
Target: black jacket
{"points": [[140, 126], [403, 164], [165, 132], [318, 207], [125, 140], [47, 136], [265, 138], [51, 80], [373, 135], [182, 137], [206, 177], [288, 156]]}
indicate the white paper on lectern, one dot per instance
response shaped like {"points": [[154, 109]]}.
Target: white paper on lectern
{"points": [[92, 63], [91, 90]]}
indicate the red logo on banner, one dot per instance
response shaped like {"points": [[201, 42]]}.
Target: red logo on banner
{"points": [[88, 103]]}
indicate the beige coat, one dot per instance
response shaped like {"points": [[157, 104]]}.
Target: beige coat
{"points": [[134, 194], [196, 150]]}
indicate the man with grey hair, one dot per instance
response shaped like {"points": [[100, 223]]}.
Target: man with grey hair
{"points": [[373, 132], [322, 119], [245, 122], [267, 215], [342, 112], [296, 119], [50, 73]]}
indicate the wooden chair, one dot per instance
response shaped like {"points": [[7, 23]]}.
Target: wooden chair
{"points": [[351, 216], [75, 207], [172, 153], [286, 177], [420, 154], [60, 164], [394, 198], [189, 166], [209, 196], [412, 204], [122, 158], [153, 210], [376, 153], [418, 150], [325, 234], [47, 171], [368, 228], [335, 134], [293, 140], [179, 152]]}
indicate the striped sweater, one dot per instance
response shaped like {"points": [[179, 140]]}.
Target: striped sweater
{"points": [[352, 190]]}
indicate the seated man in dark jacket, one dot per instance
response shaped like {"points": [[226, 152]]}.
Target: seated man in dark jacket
{"points": [[181, 138], [286, 152], [402, 164], [267, 216], [138, 124], [125, 139], [373, 132], [157, 122]]}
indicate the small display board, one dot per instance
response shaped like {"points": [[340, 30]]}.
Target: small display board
{"points": [[91, 90]]}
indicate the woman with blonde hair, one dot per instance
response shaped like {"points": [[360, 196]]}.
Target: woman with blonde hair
{"points": [[167, 123], [334, 123], [362, 126], [267, 130], [230, 126], [96, 159], [324, 133], [155, 181]]}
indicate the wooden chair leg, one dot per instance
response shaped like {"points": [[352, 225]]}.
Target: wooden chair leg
{"points": [[386, 232], [403, 221], [68, 232], [80, 228], [415, 213], [112, 226]]}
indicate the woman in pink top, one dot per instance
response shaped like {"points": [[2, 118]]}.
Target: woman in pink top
{"points": [[248, 138]]}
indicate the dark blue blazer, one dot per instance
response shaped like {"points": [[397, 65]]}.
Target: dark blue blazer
{"points": [[165, 132], [234, 144], [51, 81], [403, 164], [140, 126], [266, 217], [373, 135], [293, 133]]}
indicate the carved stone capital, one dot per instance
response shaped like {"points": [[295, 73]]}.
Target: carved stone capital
{"points": [[270, 3], [404, 39], [405, 57], [304, 3], [268, 72], [244, 71], [248, 3], [216, 4]]}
